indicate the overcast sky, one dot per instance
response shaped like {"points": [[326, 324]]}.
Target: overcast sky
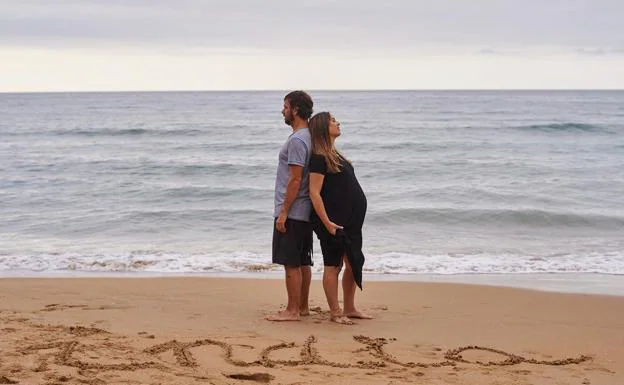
{"points": [[319, 44]]}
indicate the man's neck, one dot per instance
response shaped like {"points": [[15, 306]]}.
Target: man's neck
{"points": [[299, 124]]}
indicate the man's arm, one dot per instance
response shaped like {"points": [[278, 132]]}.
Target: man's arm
{"points": [[292, 189]]}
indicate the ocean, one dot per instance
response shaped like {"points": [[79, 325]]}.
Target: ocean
{"points": [[458, 182]]}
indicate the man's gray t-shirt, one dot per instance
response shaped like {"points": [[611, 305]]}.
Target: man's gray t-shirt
{"points": [[296, 151]]}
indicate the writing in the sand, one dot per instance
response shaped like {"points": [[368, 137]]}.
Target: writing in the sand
{"points": [[309, 355]]}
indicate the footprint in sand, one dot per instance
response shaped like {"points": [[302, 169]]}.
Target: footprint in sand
{"points": [[58, 306], [6, 380], [257, 377]]}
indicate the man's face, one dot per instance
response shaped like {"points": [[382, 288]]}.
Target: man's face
{"points": [[288, 114]]}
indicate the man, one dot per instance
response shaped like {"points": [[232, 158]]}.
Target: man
{"points": [[292, 231]]}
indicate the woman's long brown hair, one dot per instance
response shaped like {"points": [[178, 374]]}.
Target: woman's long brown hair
{"points": [[321, 141]]}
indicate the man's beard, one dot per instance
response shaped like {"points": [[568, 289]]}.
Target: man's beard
{"points": [[288, 121]]}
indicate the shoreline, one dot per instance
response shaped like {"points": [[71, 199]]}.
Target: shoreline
{"points": [[212, 330], [573, 283]]}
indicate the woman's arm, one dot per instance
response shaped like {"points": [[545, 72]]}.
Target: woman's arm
{"points": [[316, 183]]}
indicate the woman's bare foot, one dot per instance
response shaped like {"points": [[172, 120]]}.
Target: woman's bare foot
{"points": [[340, 319], [283, 316], [357, 314], [304, 312]]}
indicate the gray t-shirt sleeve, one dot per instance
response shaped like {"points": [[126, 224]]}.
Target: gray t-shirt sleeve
{"points": [[297, 152]]}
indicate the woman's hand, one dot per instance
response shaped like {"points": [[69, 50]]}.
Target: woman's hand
{"points": [[332, 227]]}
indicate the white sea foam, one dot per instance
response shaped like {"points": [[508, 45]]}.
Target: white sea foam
{"points": [[238, 262]]}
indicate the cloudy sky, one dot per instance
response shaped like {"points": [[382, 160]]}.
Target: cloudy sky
{"points": [[82, 45]]}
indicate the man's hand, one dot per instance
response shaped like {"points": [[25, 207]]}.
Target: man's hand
{"points": [[280, 223], [332, 227]]}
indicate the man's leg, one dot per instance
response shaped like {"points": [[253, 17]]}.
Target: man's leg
{"points": [[306, 269], [293, 288], [306, 279]]}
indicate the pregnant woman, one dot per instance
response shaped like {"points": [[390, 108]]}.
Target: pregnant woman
{"points": [[340, 207]]}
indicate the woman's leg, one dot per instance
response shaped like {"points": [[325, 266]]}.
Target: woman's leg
{"points": [[348, 289], [330, 285]]}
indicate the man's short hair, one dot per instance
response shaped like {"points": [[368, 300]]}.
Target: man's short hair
{"points": [[301, 101]]}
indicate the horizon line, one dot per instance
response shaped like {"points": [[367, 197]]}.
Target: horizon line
{"points": [[326, 90]]}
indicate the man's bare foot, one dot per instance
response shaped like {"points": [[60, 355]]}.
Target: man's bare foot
{"points": [[340, 319], [358, 315], [304, 312], [283, 316]]}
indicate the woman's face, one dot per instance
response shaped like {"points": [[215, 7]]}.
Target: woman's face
{"points": [[334, 127]]}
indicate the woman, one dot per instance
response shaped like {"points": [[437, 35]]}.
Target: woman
{"points": [[340, 207]]}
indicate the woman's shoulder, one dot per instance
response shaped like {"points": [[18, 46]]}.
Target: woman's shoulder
{"points": [[318, 159], [318, 164]]}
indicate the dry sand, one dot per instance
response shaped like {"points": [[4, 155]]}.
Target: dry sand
{"points": [[212, 331]]}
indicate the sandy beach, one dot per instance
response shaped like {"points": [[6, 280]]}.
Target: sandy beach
{"points": [[211, 330]]}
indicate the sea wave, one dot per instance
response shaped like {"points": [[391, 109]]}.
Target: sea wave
{"points": [[140, 216], [563, 127], [103, 132], [499, 217], [215, 192]]}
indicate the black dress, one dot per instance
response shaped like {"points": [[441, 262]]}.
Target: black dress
{"points": [[345, 204]]}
